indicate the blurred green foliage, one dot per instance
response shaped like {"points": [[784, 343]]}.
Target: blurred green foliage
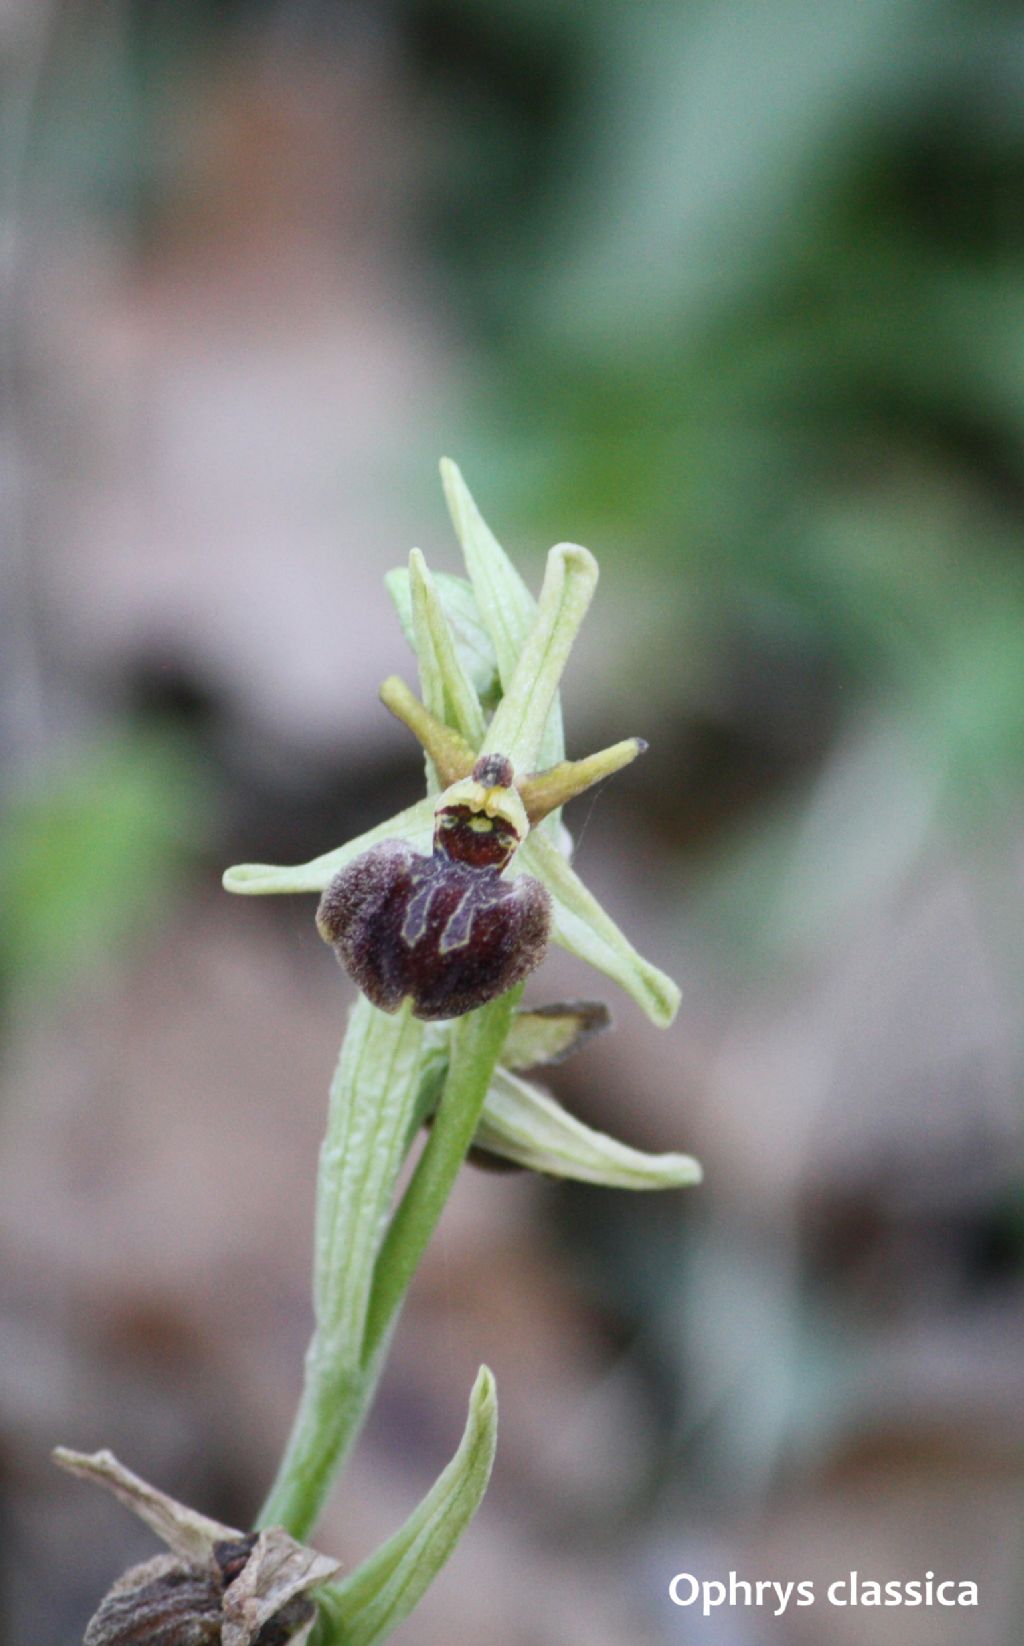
{"points": [[89, 854], [741, 287], [759, 318]]}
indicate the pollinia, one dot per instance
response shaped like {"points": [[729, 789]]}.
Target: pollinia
{"points": [[438, 915]]}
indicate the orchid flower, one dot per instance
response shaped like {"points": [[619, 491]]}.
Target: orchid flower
{"points": [[472, 641], [439, 914]]}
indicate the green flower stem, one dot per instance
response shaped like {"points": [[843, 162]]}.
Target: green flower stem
{"points": [[476, 1043], [360, 1279]]}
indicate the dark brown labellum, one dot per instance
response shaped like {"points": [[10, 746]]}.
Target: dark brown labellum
{"points": [[446, 930]]}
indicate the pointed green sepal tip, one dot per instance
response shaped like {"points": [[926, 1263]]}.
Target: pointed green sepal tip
{"points": [[506, 607], [581, 925], [415, 824], [379, 1594]]}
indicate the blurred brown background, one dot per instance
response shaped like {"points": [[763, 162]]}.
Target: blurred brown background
{"points": [[734, 294]]}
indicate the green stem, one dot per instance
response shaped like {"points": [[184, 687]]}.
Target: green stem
{"points": [[476, 1043], [359, 1278], [326, 1423]]}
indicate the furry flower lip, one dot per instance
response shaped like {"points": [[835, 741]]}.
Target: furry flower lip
{"points": [[445, 931]]}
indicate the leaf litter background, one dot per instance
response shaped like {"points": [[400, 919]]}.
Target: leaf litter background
{"points": [[735, 295]]}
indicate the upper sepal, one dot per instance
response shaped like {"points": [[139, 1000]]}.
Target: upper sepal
{"points": [[472, 641], [506, 606]]}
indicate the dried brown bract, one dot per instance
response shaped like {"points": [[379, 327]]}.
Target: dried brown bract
{"points": [[217, 1586]]}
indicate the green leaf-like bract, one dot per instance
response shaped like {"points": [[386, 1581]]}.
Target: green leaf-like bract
{"points": [[524, 1124], [370, 1120], [382, 1591]]}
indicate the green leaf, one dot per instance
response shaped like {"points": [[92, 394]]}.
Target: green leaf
{"points": [[580, 925], [372, 1100], [526, 1125], [381, 1592], [415, 824], [475, 1043], [472, 642], [550, 1034]]}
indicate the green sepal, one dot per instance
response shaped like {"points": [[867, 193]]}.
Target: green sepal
{"points": [[380, 1593], [472, 641], [580, 925], [518, 727], [506, 606], [415, 824], [447, 690], [525, 1125]]}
